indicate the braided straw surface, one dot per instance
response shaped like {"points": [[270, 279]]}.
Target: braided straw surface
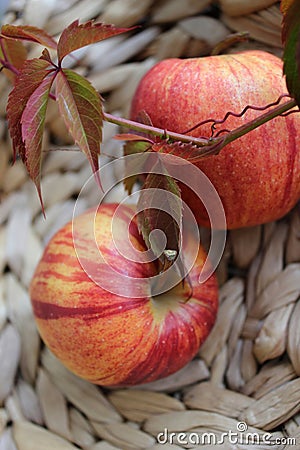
{"points": [[248, 369]]}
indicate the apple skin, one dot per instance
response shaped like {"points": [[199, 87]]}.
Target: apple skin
{"points": [[105, 338], [256, 176]]}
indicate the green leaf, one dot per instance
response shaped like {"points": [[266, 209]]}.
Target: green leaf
{"points": [[81, 108], [291, 41], [28, 33], [33, 122], [31, 76], [160, 208], [76, 36]]}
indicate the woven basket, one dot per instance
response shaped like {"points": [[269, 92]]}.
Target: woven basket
{"points": [[245, 378]]}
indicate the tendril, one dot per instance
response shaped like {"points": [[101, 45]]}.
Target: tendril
{"points": [[293, 111], [222, 132], [231, 113]]}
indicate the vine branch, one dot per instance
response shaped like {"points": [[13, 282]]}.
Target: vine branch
{"points": [[153, 131], [206, 146], [211, 145]]}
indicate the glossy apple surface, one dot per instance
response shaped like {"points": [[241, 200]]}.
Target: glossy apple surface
{"points": [[256, 176], [110, 339]]}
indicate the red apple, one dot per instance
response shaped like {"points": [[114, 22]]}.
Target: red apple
{"points": [[256, 176], [106, 338]]}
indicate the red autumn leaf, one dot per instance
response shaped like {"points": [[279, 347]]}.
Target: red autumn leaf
{"points": [[285, 5], [46, 56], [131, 137], [31, 76], [33, 122], [143, 117], [160, 223], [13, 52], [28, 33], [186, 151], [76, 36], [81, 108], [291, 41], [160, 208]]}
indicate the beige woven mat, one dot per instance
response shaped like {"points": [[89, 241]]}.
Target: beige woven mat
{"points": [[246, 374]]}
